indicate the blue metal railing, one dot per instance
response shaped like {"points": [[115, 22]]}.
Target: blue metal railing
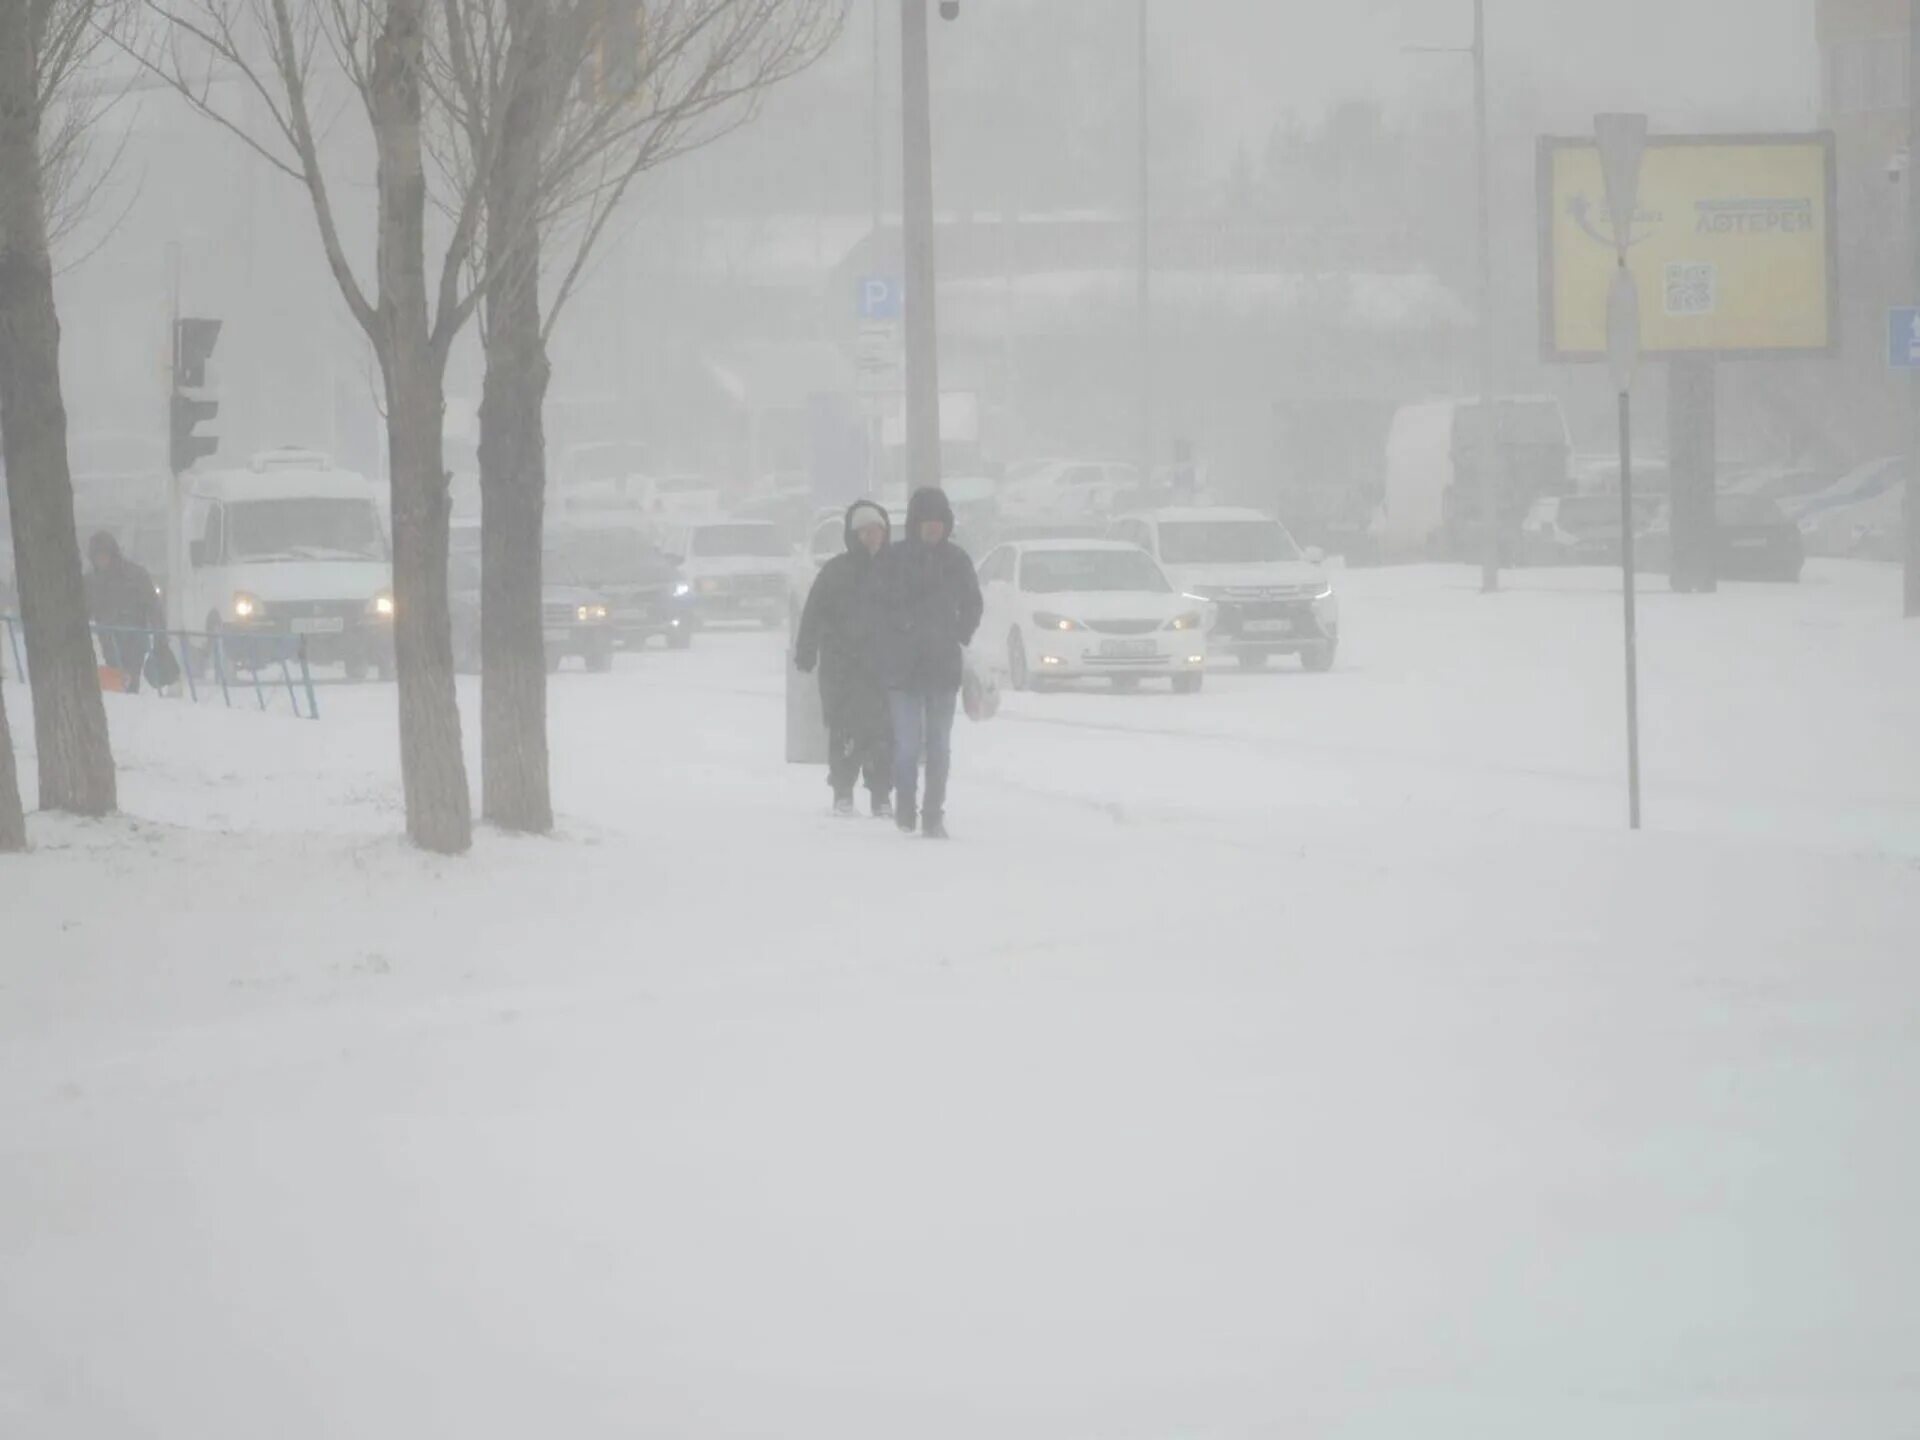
{"points": [[268, 664]]}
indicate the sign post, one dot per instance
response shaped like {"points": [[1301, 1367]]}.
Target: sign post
{"points": [[1623, 140]]}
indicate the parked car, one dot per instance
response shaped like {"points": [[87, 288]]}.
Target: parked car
{"points": [[1269, 598], [1066, 490], [1580, 529], [1870, 529], [1863, 482], [645, 590], [739, 570], [574, 621], [1070, 609], [1753, 540], [290, 549]]}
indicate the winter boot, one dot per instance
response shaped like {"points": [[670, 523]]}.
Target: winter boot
{"points": [[906, 819], [843, 806], [882, 807], [934, 826]]}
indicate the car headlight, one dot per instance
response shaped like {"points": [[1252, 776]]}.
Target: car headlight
{"points": [[681, 587], [381, 606], [1049, 621], [245, 606], [590, 612], [1192, 620], [1325, 592]]}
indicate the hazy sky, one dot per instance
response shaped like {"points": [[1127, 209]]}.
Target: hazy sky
{"points": [[1669, 57]]}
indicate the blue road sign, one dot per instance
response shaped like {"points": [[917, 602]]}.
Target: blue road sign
{"points": [[1903, 337], [879, 297]]}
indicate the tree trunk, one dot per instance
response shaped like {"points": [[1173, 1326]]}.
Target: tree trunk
{"points": [[433, 770], [70, 723], [13, 823], [514, 788]]}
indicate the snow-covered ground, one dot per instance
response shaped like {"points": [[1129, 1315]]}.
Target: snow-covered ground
{"points": [[1314, 1056]]}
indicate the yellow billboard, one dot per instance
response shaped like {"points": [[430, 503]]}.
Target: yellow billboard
{"points": [[1733, 247]]}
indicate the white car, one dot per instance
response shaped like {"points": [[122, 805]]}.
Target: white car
{"points": [[1069, 609], [291, 549], [1066, 490], [1269, 597], [739, 570]]}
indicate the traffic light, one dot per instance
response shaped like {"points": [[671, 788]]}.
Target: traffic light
{"points": [[185, 446], [193, 342]]}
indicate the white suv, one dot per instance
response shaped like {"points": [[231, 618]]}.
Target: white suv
{"points": [[1268, 597]]}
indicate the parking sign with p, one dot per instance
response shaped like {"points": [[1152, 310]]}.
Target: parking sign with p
{"points": [[878, 297]]}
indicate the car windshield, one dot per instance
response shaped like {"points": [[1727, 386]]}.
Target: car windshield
{"points": [[1055, 572], [599, 557], [1747, 510], [738, 542], [1225, 542], [305, 529]]}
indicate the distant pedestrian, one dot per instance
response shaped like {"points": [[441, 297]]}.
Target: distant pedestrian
{"points": [[838, 633], [125, 604], [932, 607]]}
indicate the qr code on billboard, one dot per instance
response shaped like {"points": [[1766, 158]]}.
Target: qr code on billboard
{"points": [[1690, 289]]}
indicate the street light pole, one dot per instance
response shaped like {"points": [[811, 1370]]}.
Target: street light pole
{"points": [[916, 197], [1146, 267], [1490, 438]]}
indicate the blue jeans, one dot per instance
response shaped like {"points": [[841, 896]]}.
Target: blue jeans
{"points": [[922, 724]]}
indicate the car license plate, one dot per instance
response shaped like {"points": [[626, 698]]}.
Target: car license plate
{"points": [[556, 637], [1269, 627], [318, 625], [1127, 649]]}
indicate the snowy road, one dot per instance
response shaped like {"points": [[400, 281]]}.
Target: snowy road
{"points": [[1315, 1055]]}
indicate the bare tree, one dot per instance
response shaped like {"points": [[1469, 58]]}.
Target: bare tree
{"points": [[284, 52], [44, 44], [13, 821], [558, 106]]}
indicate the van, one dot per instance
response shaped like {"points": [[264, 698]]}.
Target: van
{"points": [[1432, 508], [292, 547]]}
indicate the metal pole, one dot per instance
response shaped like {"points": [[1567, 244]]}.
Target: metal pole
{"points": [[1626, 586], [875, 431], [176, 606], [1146, 266], [1912, 588], [916, 172], [1490, 439]]}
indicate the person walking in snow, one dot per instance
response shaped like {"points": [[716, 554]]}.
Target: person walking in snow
{"points": [[931, 607], [126, 605], [838, 635]]}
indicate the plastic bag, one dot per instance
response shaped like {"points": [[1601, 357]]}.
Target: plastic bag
{"points": [[979, 690]]}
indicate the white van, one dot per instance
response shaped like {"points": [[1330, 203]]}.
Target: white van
{"points": [[1267, 596], [292, 547], [1432, 449]]}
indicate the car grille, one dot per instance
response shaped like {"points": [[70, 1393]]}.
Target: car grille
{"points": [[1123, 627], [1264, 594], [1268, 610], [279, 612], [556, 613]]}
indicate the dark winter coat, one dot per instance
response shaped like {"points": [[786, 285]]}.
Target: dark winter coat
{"points": [[932, 605], [122, 593], [838, 633]]}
